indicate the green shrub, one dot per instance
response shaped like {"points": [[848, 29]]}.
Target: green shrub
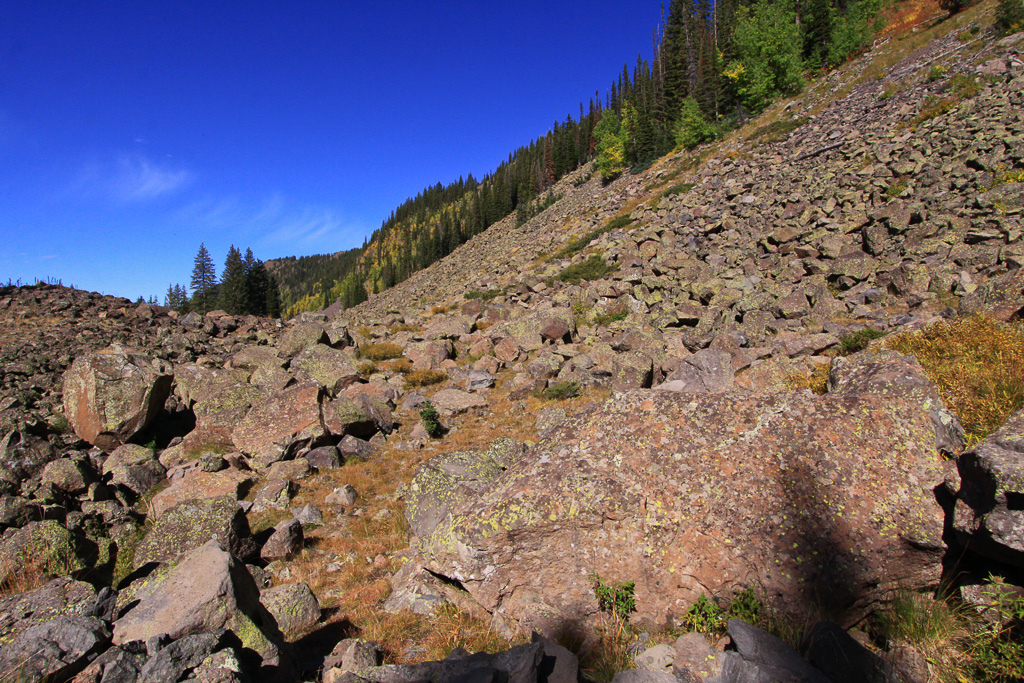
{"points": [[777, 131], [605, 318], [580, 243], [615, 598], [561, 391], [858, 341], [379, 351], [1010, 16], [431, 420], [691, 127], [594, 268], [965, 86], [618, 222], [896, 188], [937, 72], [485, 295]]}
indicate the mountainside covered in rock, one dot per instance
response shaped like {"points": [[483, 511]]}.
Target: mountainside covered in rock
{"points": [[588, 417]]}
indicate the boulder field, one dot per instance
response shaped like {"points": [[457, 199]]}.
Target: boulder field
{"points": [[166, 480]]}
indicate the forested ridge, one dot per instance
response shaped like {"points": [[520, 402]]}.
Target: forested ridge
{"points": [[715, 64]]}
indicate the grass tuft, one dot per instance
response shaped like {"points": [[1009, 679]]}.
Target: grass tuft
{"points": [[977, 364], [425, 378], [380, 351]]}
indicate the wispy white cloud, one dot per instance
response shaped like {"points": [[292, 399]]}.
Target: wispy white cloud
{"points": [[272, 222], [131, 178]]}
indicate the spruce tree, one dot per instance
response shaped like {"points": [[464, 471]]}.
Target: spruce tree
{"points": [[273, 303], [232, 283], [204, 280]]}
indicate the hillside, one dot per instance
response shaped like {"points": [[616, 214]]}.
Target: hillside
{"points": [[751, 413]]}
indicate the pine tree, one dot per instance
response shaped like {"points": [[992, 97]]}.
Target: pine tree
{"points": [[273, 303], [232, 283], [204, 280]]}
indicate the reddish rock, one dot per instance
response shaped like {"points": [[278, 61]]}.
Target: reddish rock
{"points": [[275, 424], [794, 494], [112, 395]]}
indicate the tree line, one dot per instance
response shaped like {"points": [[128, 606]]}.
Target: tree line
{"points": [[715, 64], [245, 286]]}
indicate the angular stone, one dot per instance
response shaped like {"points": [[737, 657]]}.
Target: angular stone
{"points": [[330, 368], [134, 467], [323, 458], [453, 401], [771, 655], [707, 371], [285, 542], [988, 517], [293, 606], [300, 337], [191, 524], [278, 423], [112, 395], [198, 485], [207, 589], [705, 492], [53, 650]]}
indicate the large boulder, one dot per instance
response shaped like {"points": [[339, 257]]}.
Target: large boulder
{"points": [[190, 524], [207, 589], [330, 368], [59, 597], [989, 518], [797, 494], [447, 481], [112, 395], [53, 650], [281, 422], [134, 467], [198, 485], [46, 546]]}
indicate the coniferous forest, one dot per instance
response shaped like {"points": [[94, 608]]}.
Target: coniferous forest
{"points": [[716, 63]]}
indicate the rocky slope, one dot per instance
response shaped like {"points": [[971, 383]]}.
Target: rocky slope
{"points": [[191, 480]]}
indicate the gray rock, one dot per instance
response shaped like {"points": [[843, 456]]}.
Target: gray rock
{"points": [[55, 648], [205, 590], [351, 447], [988, 517], [59, 597], [657, 658], [294, 607], [345, 496], [323, 458], [309, 515], [771, 655], [707, 371], [643, 676], [830, 649], [478, 380], [176, 660], [285, 542]]}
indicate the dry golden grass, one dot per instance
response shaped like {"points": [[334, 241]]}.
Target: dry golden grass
{"points": [[379, 351], [23, 577], [399, 366], [424, 378], [816, 380], [977, 364]]}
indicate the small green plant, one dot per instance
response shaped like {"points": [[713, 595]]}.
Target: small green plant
{"points": [[890, 90], [618, 222], [1000, 654], [484, 295], [379, 351], [932, 107], [936, 73], [777, 131], [965, 86], [431, 420], [704, 616], [858, 341], [615, 598], [561, 391], [1014, 176]]}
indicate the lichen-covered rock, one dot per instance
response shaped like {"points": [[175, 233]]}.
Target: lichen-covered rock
{"points": [[707, 371], [134, 467], [453, 401], [53, 650], [446, 481], [294, 607], [205, 590], [988, 517], [688, 494], [191, 524], [330, 368], [112, 395], [281, 423], [198, 485], [302, 336], [47, 546], [59, 597]]}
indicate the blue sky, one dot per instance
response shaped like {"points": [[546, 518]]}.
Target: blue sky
{"points": [[132, 131]]}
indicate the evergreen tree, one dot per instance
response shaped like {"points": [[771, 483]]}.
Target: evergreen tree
{"points": [[204, 280], [232, 296], [273, 303]]}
